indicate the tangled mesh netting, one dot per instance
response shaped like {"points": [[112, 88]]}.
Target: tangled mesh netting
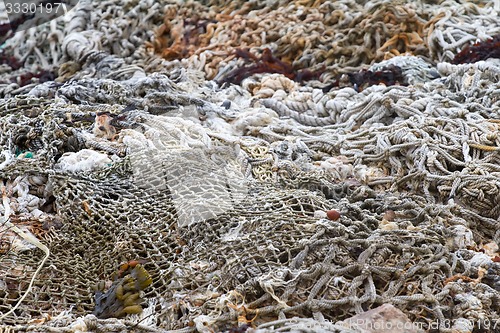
{"points": [[141, 149]]}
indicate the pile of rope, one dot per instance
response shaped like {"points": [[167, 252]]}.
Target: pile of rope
{"points": [[224, 192]]}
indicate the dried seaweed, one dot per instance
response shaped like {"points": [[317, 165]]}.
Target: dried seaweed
{"points": [[42, 76], [9, 60], [267, 63], [479, 51], [390, 76], [7, 30]]}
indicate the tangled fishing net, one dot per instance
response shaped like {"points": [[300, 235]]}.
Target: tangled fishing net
{"points": [[180, 166]]}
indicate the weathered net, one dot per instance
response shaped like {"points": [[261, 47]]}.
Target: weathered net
{"points": [[223, 189]]}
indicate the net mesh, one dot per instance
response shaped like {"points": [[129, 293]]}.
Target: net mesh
{"points": [[223, 189]]}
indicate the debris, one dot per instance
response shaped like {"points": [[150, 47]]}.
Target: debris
{"points": [[333, 214], [123, 297]]}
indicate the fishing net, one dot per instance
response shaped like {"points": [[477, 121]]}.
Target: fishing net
{"points": [[221, 191]]}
